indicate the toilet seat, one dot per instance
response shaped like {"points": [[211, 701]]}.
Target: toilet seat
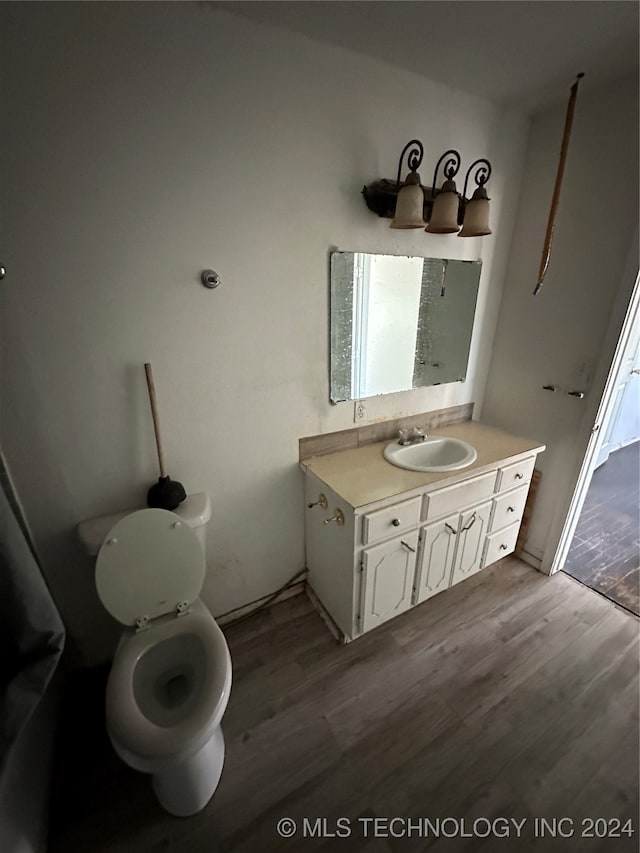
{"points": [[130, 730], [150, 564]]}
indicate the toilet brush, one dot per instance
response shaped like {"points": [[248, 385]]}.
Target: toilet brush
{"points": [[166, 493]]}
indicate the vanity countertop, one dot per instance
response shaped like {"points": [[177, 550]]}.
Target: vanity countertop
{"points": [[363, 476]]}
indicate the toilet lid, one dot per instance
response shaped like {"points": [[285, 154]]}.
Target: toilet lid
{"points": [[149, 562]]}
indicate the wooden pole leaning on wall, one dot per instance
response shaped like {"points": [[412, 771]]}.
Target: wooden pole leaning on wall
{"points": [[548, 240]]}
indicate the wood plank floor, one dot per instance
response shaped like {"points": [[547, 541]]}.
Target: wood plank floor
{"points": [[605, 551], [512, 695]]}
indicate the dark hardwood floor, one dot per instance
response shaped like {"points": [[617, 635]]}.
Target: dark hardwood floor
{"points": [[605, 551], [512, 695]]}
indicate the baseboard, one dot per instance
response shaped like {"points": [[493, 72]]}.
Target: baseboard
{"points": [[530, 560], [322, 612], [233, 615]]}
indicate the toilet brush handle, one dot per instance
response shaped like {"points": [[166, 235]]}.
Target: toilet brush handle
{"points": [[154, 415]]}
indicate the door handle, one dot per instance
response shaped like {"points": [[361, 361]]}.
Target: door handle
{"points": [[450, 529], [407, 546], [471, 523]]}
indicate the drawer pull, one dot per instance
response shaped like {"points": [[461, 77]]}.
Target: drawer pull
{"points": [[503, 547], [321, 502], [450, 529], [519, 476], [338, 518], [407, 546], [511, 509], [396, 522], [471, 523]]}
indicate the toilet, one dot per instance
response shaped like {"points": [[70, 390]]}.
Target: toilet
{"points": [[170, 679]]}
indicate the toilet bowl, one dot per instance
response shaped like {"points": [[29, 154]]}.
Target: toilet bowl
{"points": [[170, 679]]}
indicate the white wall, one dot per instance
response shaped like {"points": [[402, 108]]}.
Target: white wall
{"points": [[557, 337], [142, 143]]}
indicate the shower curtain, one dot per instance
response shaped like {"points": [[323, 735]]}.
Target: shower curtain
{"points": [[31, 634]]}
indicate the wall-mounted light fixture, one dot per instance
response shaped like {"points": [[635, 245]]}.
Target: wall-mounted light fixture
{"points": [[438, 211]]}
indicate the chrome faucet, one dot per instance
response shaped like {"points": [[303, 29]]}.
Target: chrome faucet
{"points": [[412, 435]]}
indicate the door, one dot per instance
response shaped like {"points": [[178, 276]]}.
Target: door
{"points": [[436, 558], [472, 532], [624, 425], [387, 580]]}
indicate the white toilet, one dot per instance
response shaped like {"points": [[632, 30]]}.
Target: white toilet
{"points": [[171, 675]]}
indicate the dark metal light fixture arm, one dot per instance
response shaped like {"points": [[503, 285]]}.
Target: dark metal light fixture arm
{"points": [[482, 175], [414, 157], [451, 168]]}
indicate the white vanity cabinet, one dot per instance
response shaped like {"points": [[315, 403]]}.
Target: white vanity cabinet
{"points": [[369, 562]]}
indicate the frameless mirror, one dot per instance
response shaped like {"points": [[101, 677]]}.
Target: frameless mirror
{"points": [[399, 323]]}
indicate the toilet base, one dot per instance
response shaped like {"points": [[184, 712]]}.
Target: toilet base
{"points": [[186, 787]]}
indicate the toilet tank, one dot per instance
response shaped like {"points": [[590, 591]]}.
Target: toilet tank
{"points": [[195, 511]]}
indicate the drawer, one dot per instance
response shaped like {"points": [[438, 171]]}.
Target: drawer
{"points": [[500, 543], [455, 498], [394, 519], [515, 475], [508, 508]]}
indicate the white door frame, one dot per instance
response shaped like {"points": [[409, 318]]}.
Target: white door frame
{"points": [[625, 312]]}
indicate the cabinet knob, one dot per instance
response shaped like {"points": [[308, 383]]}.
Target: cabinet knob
{"points": [[396, 522]]}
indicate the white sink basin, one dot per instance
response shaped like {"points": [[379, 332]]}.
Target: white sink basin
{"points": [[433, 455]]}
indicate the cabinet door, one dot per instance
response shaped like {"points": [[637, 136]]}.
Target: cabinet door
{"points": [[472, 531], [436, 558], [387, 580]]}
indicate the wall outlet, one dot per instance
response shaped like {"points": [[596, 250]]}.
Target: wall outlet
{"points": [[359, 412]]}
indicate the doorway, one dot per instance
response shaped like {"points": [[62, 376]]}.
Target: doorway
{"points": [[605, 551], [600, 544]]}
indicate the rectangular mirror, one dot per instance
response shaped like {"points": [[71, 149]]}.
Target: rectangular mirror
{"points": [[399, 323]]}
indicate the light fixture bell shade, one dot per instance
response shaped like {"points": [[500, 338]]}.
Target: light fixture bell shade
{"points": [[444, 215], [476, 215], [409, 204]]}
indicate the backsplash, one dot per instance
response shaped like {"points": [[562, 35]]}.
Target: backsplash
{"points": [[347, 439]]}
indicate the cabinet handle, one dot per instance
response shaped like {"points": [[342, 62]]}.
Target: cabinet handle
{"points": [[321, 502], [396, 522], [450, 529], [503, 547], [471, 523], [338, 518], [511, 509], [519, 476], [407, 546]]}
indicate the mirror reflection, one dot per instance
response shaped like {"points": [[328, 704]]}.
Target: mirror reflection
{"points": [[399, 322]]}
